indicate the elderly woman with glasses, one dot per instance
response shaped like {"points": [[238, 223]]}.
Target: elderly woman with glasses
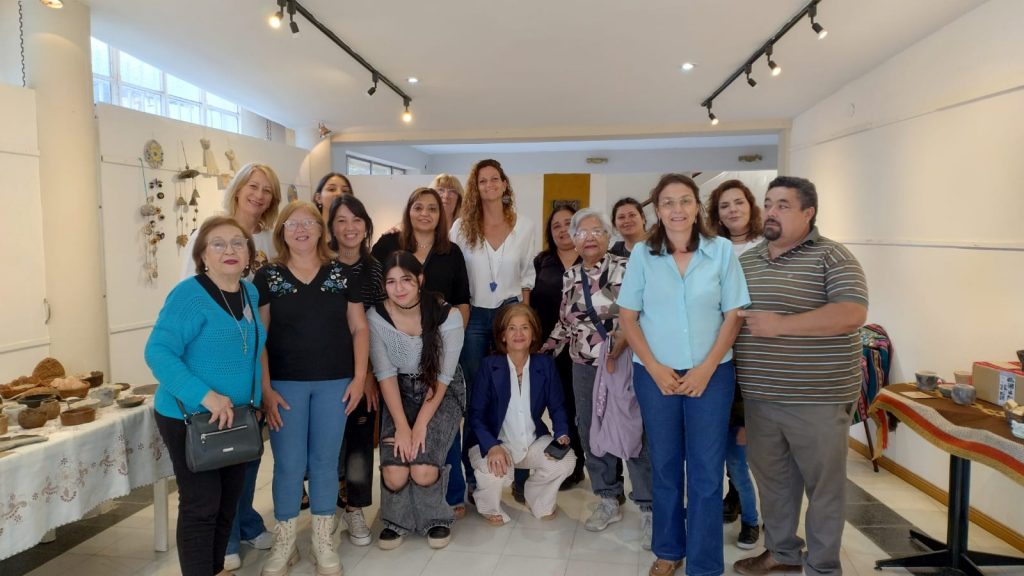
{"points": [[600, 274]]}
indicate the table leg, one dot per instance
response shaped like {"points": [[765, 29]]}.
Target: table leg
{"points": [[953, 553], [160, 515]]}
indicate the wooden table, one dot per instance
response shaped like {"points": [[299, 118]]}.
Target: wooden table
{"points": [[969, 433]]}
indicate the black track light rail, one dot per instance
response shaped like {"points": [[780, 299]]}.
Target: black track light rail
{"points": [[377, 74], [760, 52]]}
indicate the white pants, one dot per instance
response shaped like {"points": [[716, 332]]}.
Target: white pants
{"points": [[541, 490]]}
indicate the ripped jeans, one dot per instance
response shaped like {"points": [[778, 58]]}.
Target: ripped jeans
{"points": [[413, 507]]}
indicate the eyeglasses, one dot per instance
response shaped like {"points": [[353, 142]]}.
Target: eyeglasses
{"points": [[237, 245], [305, 224], [584, 234]]}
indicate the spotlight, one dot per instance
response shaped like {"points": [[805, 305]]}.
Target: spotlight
{"points": [[407, 116], [373, 89], [276, 18], [687, 66], [776, 69], [711, 115], [292, 24], [750, 80], [57, 4], [323, 130], [412, 80], [812, 13]]}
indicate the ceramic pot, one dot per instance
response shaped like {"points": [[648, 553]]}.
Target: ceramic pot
{"points": [[51, 407], [927, 380], [32, 418], [964, 394]]}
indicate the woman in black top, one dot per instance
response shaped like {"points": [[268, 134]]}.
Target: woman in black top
{"points": [[424, 233], [351, 229], [559, 255], [631, 223], [316, 363]]}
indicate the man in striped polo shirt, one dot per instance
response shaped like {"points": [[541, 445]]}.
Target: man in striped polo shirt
{"points": [[798, 366]]}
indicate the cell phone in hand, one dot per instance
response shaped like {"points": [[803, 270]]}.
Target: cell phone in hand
{"points": [[556, 451]]}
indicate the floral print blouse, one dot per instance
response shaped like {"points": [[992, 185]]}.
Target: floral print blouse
{"points": [[575, 326]]}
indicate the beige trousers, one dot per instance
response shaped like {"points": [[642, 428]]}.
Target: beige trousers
{"points": [[541, 490]]}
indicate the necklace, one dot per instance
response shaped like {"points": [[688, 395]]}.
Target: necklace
{"points": [[409, 307], [490, 265], [241, 331]]}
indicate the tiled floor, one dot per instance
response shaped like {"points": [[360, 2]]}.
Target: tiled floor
{"points": [[525, 546]]}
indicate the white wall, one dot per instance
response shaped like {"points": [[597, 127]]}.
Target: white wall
{"points": [[917, 169], [24, 338], [133, 301], [619, 161]]}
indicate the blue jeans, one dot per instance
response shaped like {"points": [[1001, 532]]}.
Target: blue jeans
{"points": [[248, 523], [685, 433], [309, 440], [739, 475], [478, 343]]}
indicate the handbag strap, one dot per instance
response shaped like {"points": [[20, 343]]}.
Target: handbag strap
{"points": [[255, 354], [590, 305]]}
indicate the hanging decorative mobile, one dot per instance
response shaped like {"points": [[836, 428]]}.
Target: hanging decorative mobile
{"points": [[181, 205], [209, 159], [151, 232], [232, 162]]}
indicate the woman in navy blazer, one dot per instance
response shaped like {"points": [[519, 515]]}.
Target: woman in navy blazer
{"points": [[510, 394]]}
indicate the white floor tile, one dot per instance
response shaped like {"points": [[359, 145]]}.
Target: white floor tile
{"points": [[539, 544], [578, 567], [522, 565], [448, 562]]}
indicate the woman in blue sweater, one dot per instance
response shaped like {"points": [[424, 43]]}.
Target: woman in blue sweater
{"points": [[203, 351]]}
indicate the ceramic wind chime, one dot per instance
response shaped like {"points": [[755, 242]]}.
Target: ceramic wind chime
{"points": [[181, 206], [152, 216], [209, 159]]}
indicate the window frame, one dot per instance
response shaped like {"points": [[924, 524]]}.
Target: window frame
{"points": [[393, 169]]}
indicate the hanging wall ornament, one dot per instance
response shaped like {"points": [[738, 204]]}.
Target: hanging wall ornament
{"points": [[151, 233], [153, 152], [293, 193], [232, 163], [209, 159], [188, 172]]}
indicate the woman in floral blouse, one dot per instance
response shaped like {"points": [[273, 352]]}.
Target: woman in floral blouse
{"points": [[603, 273], [313, 376]]}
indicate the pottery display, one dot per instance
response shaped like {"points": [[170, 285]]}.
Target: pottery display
{"points": [[962, 376], [927, 380], [52, 408], [12, 411], [32, 418], [34, 400], [105, 394], [131, 401], [946, 390], [964, 394], [3, 424], [1020, 358], [77, 416], [146, 390]]}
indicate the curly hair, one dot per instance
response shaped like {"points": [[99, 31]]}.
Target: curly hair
{"points": [[472, 209], [755, 227]]}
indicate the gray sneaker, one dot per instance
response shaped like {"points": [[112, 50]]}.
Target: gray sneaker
{"points": [[607, 512], [358, 531], [646, 528]]}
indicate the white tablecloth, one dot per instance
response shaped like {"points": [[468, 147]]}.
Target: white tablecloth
{"points": [[47, 485]]}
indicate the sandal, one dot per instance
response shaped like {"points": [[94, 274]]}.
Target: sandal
{"points": [[495, 520], [459, 510]]}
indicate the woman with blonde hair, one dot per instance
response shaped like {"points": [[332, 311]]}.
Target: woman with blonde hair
{"points": [[450, 190], [252, 199], [499, 246], [316, 361]]}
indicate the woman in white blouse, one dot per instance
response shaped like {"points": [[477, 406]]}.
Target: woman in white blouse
{"points": [[499, 247]]}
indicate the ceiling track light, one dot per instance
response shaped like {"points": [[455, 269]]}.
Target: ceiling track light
{"points": [[711, 115], [56, 4], [294, 6], [810, 10], [812, 13], [277, 17]]}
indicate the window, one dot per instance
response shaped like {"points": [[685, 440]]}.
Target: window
{"points": [[362, 166], [120, 78]]}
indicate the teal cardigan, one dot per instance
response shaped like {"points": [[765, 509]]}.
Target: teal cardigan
{"points": [[195, 347]]}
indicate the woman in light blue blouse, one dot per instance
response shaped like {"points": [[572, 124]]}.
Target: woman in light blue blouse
{"points": [[679, 303]]}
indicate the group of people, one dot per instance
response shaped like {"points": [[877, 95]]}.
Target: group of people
{"points": [[709, 336]]}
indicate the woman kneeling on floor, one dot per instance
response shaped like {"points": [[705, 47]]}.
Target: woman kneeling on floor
{"points": [[415, 341], [511, 392]]}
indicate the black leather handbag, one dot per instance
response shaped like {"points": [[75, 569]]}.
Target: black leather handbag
{"points": [[207, 448]]}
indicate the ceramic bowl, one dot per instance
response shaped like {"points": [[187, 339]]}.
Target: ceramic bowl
{"points": [[964, 394], [105, 394], [146, 390], [51, 407], [122, 386], [130, 401], [94, 378], [1020, 358], [32, 418], [77, 416], [946, 390], [962, 376], [34, 400], [927, 380], [12, 411], [86, 403]]}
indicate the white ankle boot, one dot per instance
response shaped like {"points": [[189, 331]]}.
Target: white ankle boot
{"points": [[323, 553], [284, 554]]}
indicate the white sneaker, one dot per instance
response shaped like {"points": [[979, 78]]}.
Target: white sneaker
{"points": [[262, 542], [358, 531], [607, 512], [232, 562], [646, 528]]}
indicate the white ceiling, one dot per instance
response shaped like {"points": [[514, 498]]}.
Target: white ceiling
{"points": [[546, 68]]}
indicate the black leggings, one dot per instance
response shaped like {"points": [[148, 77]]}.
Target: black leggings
{"points": [[207, 502], [355, 463]]}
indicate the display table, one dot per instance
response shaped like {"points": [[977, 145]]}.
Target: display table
{"points": [[50, 484], [978, 432]]}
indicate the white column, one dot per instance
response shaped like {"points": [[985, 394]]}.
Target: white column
{"points": [[58, 68]]}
